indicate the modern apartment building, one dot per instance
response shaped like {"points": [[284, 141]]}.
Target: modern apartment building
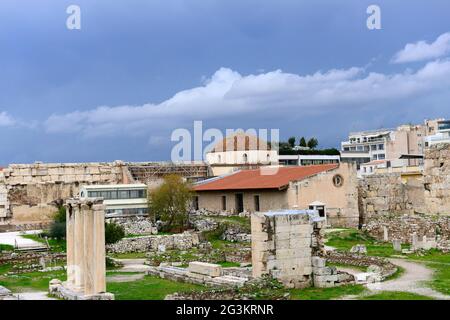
{"points": [[402, 146], [441, 133]]}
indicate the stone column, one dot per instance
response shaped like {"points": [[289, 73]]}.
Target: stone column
{"points": [[89, 252], [99, 247], [79, 248], [70, 245], [86, 253]]}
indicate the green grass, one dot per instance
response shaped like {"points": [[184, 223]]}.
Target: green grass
{"points": [[149, 288], [440, 263], [350, 266], [31, 281], [394, 295], [228, 264], [326, 293], [346, 239], [6, 247]]}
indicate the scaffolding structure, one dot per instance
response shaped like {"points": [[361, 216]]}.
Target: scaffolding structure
{"points": [[191, 171]]}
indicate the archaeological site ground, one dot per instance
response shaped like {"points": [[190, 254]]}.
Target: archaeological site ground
{"points": [[224, 158]]}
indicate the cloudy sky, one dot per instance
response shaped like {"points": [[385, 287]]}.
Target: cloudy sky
{"points": [[137, 70]]}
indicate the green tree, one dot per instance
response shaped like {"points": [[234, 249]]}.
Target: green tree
{"points": [[113, 232], [58, 226], [302, 142], [313, 143], [291, 141], [170, 203]]}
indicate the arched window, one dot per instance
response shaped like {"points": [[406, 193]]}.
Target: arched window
{"points": [[268, 157], [219, 157], [245, 158]]}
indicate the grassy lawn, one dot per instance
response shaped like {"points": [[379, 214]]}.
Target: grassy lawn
{"points": [[326, 293], [228, 264], [440, 263], [346, 239], [6, 247], [31, 281], [150, 288], [350, 266], [394, 295]]}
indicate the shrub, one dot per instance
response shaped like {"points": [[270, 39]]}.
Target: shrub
{"points": [[170, 203], [57, 230], [58, 226], [113, 232]]}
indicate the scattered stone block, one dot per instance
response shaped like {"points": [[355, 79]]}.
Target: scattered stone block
{"points": [[359, 249], [203, 268], [397, 245]]}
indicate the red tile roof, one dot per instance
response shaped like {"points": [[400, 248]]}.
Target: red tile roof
{"points": [[253, 179]]}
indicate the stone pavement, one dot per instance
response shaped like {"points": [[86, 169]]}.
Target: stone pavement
{"points": [[10, 238]]}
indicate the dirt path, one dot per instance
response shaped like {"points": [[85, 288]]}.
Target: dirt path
{"points": [[412, 280]]}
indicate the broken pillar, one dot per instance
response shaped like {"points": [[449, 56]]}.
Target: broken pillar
{"points": [[282, 245]]}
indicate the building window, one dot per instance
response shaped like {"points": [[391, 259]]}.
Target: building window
{"points": [[381, 147], [256, 198], [224, 203], [219, 158], [268, 157], [338, 180], [245, 158], [382, 156], [373, 147]]}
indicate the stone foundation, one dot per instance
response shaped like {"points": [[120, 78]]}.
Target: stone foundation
{"points": [[135, 225], [402, 227], [328, 277], [182, 241], [210, 275]]}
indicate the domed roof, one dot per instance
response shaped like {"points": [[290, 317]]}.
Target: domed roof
{"points": [[241, 141]]}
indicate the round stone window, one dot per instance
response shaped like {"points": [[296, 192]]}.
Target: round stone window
{"points": [[338, 180]]}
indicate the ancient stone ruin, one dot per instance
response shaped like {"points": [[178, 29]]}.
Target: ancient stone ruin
{"points": [[86, 262]]}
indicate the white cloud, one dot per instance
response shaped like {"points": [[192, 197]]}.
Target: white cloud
{"points": [[422, 50], [6, 120], [227, 94]]}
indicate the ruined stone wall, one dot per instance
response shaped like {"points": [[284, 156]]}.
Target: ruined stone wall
{"points": [[282, 246], [437, 179], [402, 227], [388, 193], [33, 191], [181, 241]]}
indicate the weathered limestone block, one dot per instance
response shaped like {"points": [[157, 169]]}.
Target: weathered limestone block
{"points": [[208, 269]]}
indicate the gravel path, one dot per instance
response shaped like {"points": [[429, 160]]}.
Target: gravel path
{"points": [[412, 280]]}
